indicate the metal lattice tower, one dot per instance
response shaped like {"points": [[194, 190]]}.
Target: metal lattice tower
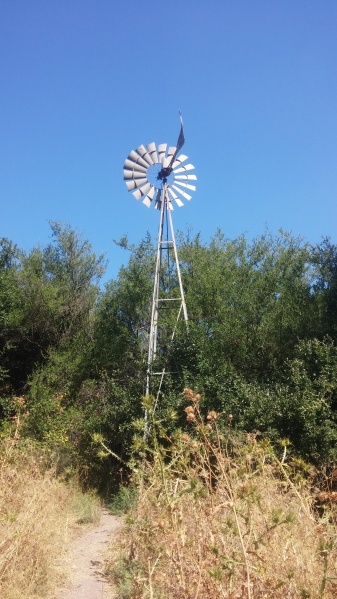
{"points": [[160, 175]]}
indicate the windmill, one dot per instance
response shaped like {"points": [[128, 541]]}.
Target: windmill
{"points": [[159, 176]]}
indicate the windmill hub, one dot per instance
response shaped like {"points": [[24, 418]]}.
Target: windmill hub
{"points": [[164, 174], [157, 178]]}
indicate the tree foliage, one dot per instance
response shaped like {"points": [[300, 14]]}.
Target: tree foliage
{"points": [[261, 343]]}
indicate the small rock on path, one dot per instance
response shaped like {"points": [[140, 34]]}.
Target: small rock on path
{"points": [[87, 580]]}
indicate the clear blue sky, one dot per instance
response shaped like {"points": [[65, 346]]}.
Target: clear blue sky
{"points": [[84, 82]]}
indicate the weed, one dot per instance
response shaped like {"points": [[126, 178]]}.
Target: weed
{"points": [[87, 508], [221, 516], [38, 515], [124, 500]]}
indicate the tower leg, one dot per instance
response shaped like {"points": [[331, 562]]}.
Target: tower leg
{"points": [[157, 300], [155, 297]]}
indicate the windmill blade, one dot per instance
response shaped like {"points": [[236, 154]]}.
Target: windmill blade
{"points": [[142, 151], [168, 159], [162, 152], [175, 197], [186, 167], [152, 150], [158, 200], [137, 159], [185, 195], [140, 193], [133, 165], [185, 177], [179, 160], [171, 151], [191, 187], [134, 184], [133, 174], [149, 197]]}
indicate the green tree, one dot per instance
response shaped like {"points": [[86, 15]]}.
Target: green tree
{"points": [[324, 258], [47, 297], [251, 302], [9, 305]]}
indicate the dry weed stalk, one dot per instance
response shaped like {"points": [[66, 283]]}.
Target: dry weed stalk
{"points": [[36, 516], [221, 518]]}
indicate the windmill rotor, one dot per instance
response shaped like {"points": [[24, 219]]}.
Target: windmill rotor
{"points": [[149, 168]]}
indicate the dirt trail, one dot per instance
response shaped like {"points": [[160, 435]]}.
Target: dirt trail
{"points": [[85, 562]]}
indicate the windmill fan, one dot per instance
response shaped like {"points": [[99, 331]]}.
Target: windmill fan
{"points": [[151, 169]]}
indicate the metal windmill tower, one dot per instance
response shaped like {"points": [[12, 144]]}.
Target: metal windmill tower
{"points": [[158, 176]]}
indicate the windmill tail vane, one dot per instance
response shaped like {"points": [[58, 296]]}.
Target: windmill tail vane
{"points": [[181, 138]]}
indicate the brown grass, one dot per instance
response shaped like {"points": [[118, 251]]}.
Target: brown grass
{"points": [[37, 517], [222, 518]]}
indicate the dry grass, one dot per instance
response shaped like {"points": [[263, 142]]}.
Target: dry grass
{"points": [[218, 518], [37, 518]]}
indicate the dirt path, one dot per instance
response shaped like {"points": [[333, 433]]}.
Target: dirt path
{"points": [[85, 562]]}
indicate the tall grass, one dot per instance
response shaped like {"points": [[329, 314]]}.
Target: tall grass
{"points": [[223, 517], [37, 517]]}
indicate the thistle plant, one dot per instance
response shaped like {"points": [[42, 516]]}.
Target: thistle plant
{"points": [[219, 515]]}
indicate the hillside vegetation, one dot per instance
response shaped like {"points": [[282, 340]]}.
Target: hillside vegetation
{"points": [[261, 342], [261, 347]]}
